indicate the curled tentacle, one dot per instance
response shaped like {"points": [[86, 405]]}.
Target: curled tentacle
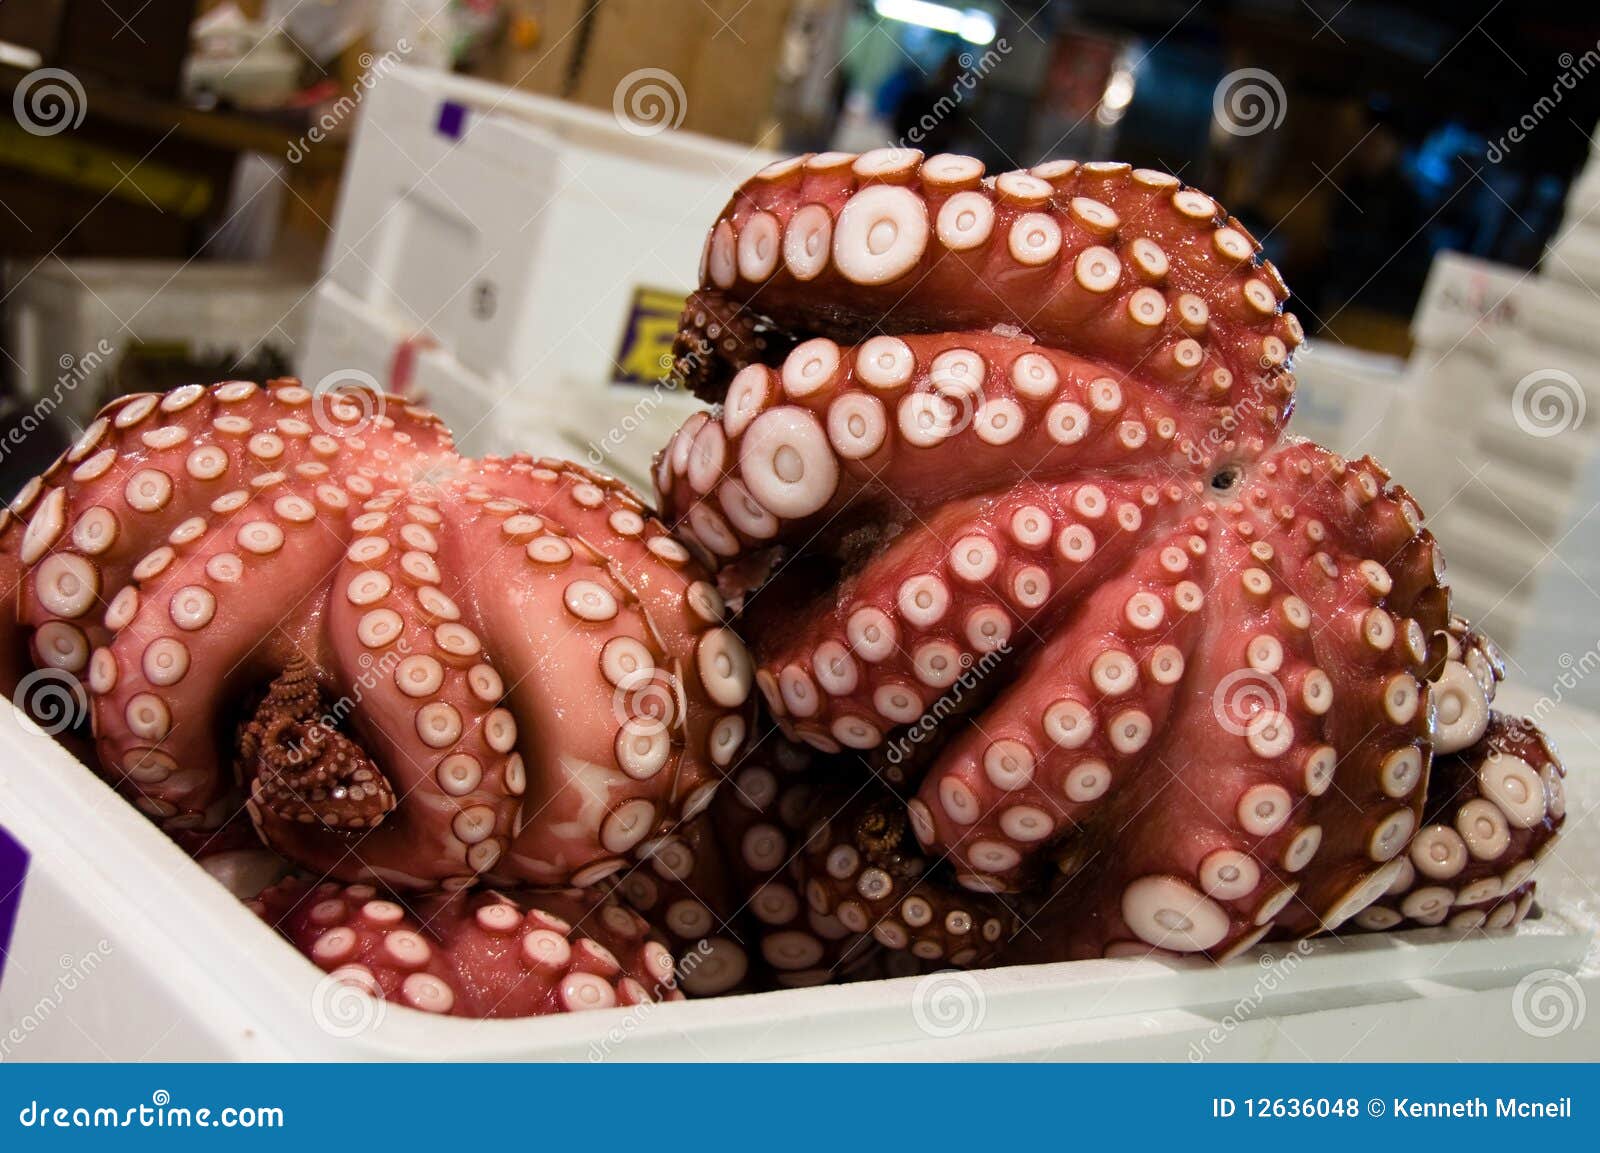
{"points": [[1101, 260], [303, 769], [1493, 810], [784, 883]]}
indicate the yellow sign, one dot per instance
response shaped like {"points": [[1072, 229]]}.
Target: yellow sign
{"points": [[645, 356]]}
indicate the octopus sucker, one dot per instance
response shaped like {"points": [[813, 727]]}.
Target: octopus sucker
{"points": [[485, 953], [1130, 656]]}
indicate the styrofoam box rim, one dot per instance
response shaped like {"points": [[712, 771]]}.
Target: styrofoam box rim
{"points": [[239, 978]]}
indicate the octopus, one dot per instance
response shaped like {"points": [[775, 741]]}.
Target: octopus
{"points": [[1064, 648], [313, 634], [1000, 486]]}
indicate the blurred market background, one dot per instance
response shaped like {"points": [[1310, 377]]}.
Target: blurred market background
{"points": [[497, 206]]}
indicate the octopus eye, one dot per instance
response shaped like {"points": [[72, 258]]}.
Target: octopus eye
{"points": [[1224, 479]]}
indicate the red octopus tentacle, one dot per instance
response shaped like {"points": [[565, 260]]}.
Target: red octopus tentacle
{"points": [[899, 426], [406, 683], [863, 870], [953, 594], [1070, 731]]}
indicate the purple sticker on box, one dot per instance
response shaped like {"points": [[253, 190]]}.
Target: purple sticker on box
{"points": [[13, 868], [452, 119]]}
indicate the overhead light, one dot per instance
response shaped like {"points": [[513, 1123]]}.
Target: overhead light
{"points": [[1119, 90], [16, 56], [971, 24], [1115, 99]]}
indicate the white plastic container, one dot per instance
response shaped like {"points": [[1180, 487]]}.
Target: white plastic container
{"points": [[126, 949], [1343, 397], [497, 239]]}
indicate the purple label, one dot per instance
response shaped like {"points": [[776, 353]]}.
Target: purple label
{"points": [[452, 119], [13, 868]]}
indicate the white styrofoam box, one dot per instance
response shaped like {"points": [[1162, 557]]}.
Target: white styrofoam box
{"points": [[1517, 527], [1558, 648], [1342, 396], [510, 231], [349, 333], [1574, 252], [1494, 437], [1574, 255], [68, 322], [183, 970], [1466, 304]]}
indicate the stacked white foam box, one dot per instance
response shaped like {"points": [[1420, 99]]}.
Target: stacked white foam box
{"points": [[494, 240], [1469, 310], [1574, 253], [62, 317], [1495, 443]]}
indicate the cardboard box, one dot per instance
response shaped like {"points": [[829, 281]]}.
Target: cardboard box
{"points": [[538, 45]]}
